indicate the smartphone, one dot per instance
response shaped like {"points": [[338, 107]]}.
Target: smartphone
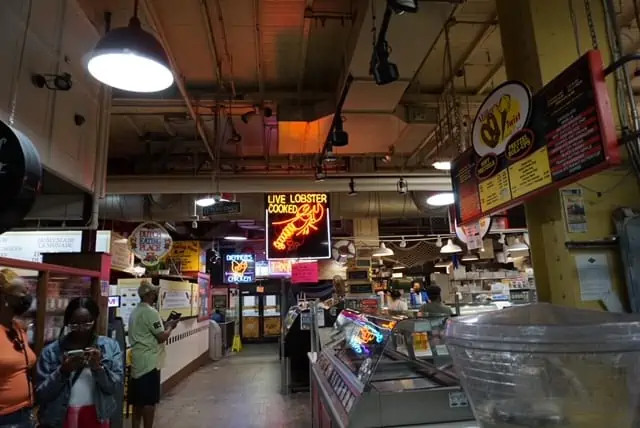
{"points": [[75, 353]]}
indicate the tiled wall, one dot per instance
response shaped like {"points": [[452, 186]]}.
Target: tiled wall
{"points": [[188, 341]]}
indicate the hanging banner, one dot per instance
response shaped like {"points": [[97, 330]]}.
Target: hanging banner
{"points": [[523, 146], [298, 226], [150, 242]]}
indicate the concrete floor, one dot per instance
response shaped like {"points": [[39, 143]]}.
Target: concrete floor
{"points": [[240, 391]]}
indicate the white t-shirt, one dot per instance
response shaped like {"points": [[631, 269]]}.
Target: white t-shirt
{"points": [[397, 305], [83, 391]]}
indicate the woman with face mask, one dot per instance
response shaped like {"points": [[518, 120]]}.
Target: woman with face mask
{"points": [[16, 357], [79, 374]]}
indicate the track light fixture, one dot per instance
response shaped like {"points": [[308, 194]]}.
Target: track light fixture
{"points": [[402, 187], [329, 156], [352, 188], [320, 174], [382, 70], [266, 111], [53, 82], [403, 6], [339, 138]]}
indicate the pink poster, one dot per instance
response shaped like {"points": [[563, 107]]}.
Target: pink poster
{"points": [[304, 272]]}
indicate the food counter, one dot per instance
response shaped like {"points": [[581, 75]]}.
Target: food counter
{"points": [[371, 375]]}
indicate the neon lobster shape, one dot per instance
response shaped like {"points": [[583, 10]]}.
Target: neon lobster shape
{"points": [[301, 224]]}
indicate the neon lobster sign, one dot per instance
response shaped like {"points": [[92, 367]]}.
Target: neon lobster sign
{"points": [[304, 221]]}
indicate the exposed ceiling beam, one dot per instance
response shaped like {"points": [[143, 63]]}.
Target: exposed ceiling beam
{"points": [[152, 16], [225, 44], [306, 31], [489, 77], [472, 49], [211, 39]]}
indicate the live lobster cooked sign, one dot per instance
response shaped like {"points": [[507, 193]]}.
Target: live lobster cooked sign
{"points": [[524, 145], [298, 226]]}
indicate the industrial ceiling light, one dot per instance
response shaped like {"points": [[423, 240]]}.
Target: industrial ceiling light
{"points": [[403, 243], [236, 233], [352, 188], [402, 187], [442, 165], [383, 251], [439, 242], [441, 199], [320, 174], [450, 248], [403, 6], [131, 59], [205, 201]]}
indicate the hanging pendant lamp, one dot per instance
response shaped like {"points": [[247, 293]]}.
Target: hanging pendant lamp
{"points": [[131, 59]]}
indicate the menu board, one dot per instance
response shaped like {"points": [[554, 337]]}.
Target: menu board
{"points": [[522, 147]]}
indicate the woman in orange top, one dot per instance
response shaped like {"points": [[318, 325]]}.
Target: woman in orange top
{"points": [[16, 358]]}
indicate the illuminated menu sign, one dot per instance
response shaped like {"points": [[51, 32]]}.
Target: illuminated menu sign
{"points": [[298, 226], [239, 268]]}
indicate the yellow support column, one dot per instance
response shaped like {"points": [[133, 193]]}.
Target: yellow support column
{"points": [[538, 41]]}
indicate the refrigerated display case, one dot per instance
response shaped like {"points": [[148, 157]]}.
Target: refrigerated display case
{"points": [[260, 317], [372, 376]]}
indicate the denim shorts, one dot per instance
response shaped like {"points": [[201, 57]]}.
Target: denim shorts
{"points": [[22, 418]]}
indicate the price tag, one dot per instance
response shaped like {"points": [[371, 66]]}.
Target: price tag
{"points": [[458, 399]]}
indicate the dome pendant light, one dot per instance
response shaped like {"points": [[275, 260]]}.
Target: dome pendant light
{"points": [[131, 59]]}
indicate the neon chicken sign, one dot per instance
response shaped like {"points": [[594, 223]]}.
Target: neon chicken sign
{"points": [[298, 226]]}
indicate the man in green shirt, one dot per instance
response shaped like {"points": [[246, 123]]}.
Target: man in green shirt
{"points": [[147, 335], [435, 306]]}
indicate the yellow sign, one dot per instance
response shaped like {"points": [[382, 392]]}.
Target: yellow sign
{"points": [[495, 191], [176, 296], [186, 254], [504, 112], [530, 173]]}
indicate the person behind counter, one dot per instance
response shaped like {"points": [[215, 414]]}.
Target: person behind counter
{"points": [[435, 305], [418, 295], [79, 374], [396, 303], [16, 357], [147, 335]]}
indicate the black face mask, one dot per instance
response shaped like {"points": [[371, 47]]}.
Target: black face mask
{"points": [[19, 304]]}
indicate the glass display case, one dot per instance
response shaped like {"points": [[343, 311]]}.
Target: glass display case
{"points": [[386, 371]]}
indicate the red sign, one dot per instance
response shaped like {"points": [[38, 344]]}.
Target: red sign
{"points": [[522, 147], [298, 226], [304, 272]]}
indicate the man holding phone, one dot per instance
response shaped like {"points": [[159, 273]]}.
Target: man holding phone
{"points": [[147, 335]]}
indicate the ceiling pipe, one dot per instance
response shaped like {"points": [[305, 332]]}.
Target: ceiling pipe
{"points": [[140, 185], [338, 114]]}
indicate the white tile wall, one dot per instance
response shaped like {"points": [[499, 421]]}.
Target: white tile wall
{"points": [[188, 341]]}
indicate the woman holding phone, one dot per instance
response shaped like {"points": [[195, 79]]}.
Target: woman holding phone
{"points": [[79, 374], [16, 357]]}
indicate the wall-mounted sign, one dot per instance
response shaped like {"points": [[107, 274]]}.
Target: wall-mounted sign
{"points": [[20, 176], [472, 233], [239, 268], [30, 245], [298, 226], [150, 242], [306, 272], [186, 255], [569, 135]]}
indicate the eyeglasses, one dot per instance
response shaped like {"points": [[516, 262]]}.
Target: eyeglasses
{"points": [[82, 326]]}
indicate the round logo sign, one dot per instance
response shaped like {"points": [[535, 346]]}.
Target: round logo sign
{"points": [[150, 242], [476, 230], [504, 112], [20, 176]]}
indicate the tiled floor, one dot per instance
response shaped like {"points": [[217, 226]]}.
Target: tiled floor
{"points": [[241, 391]]}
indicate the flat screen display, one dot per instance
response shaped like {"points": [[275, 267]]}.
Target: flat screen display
{"points": [[239, 268], [298, 226]]}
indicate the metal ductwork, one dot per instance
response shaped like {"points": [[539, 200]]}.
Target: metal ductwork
{"points": [[181, 208], [372, 117], [144, 185]]}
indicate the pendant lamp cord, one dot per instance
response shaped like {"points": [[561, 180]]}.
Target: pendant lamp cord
{"points": [[136, 3]]}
